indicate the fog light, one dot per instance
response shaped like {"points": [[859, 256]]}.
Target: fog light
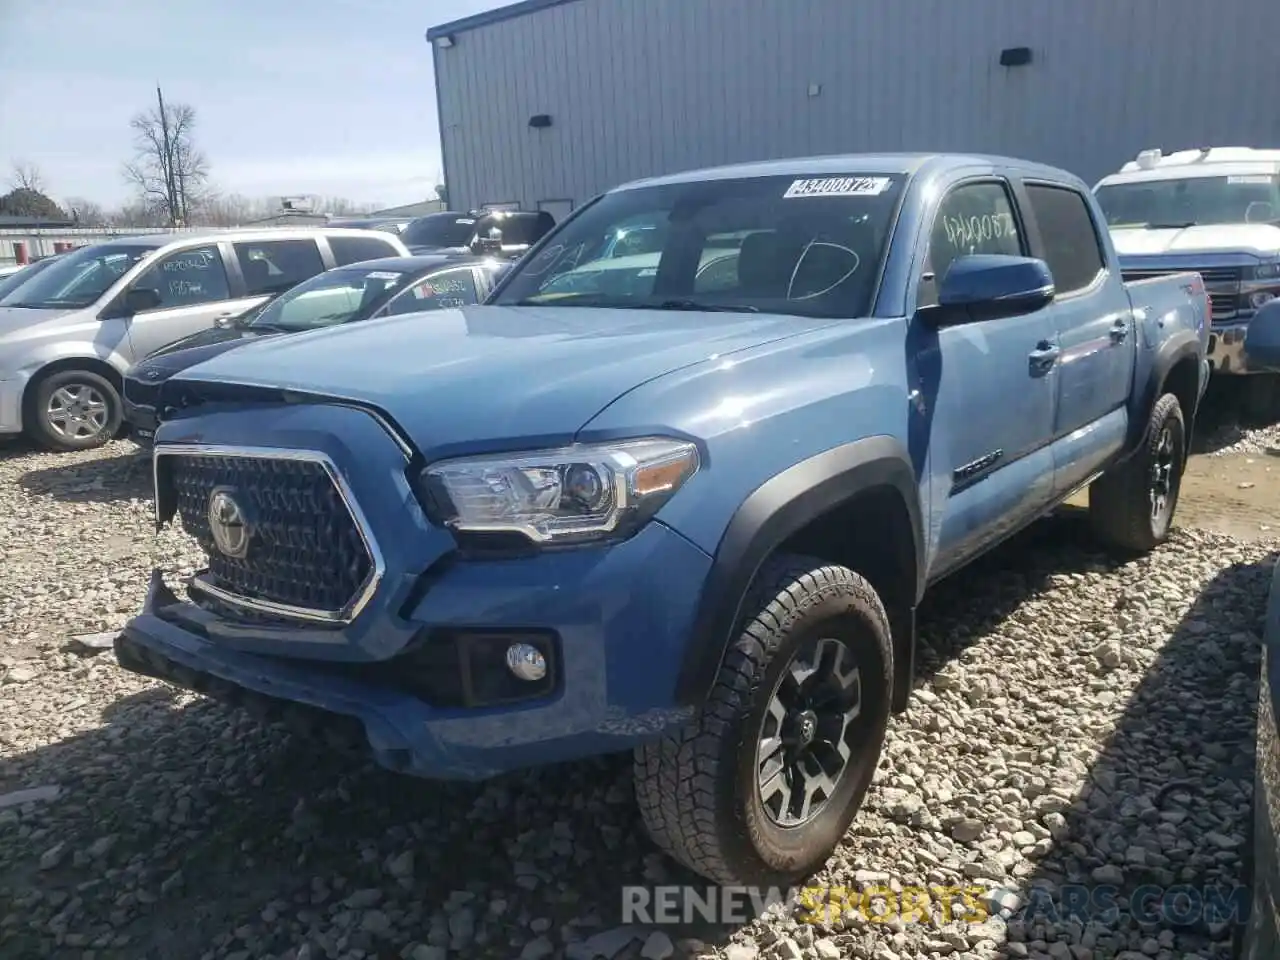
{"points": [[526, 661], [1256, 300]]}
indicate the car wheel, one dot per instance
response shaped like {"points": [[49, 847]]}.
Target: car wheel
{"points": [[1131, 507], [761, 786], [1261, 401], [73, 410]]}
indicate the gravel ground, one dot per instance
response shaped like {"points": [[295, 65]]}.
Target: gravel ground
{"points": [[1075, 722]]}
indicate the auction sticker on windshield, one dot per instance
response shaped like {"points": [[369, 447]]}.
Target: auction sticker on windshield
{"points": [[838, 187], [383, 275]]}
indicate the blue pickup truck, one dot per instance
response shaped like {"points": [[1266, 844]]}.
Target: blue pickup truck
{"points": [[685, 504]]}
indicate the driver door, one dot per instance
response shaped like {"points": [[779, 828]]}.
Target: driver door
{"points": [[985, 397], [194, 292]]}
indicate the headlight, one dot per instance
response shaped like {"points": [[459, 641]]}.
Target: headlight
{"points": [[1267, 271], [579, 493]]}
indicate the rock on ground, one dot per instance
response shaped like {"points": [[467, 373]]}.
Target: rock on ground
{"points": [[1076, 721]]}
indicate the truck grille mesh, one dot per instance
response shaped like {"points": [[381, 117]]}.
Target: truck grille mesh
{"points": [[305, 549]]}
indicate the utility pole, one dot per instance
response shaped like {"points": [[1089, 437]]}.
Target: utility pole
{"points": [[167, 165]]}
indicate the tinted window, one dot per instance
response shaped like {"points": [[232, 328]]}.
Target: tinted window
{"points": [[439, 230], [1071, 245], [354, 249], [272, 266], [1249, 198], [800, 245], [79, 278], [186, 278], [437, 291], [519, 229]]}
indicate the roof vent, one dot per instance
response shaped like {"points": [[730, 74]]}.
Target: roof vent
{"points": [[1147, 159]]}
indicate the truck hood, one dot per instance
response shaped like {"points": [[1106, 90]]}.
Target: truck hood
{"points": [[1258, 239], [457, 377], [21, 318]]}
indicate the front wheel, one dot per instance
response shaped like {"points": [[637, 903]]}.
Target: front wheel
{"points": [[1131, 507], [762, 785], [73, 410]]}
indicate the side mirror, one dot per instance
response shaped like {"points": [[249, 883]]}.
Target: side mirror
{"points": [[1262, 339], [1259, 211], [140, 300], [988, 286]]}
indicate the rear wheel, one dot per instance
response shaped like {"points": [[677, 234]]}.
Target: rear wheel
{"points": [[762, 785], [73, 410], [1131, 507], [1261, 400]]}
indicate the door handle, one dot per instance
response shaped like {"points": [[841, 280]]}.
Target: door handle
{"points": [[1044, 356], [1119, 330]]}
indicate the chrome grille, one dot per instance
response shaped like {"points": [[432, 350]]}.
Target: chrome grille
{"points": [[1221, 283], [308, 555]]}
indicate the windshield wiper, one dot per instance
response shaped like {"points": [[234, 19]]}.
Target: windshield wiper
{"points": [[699, 305], [1173, 225]]}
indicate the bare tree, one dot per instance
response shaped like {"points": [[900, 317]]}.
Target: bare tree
{"points": [[26, 176], [169, 172], [84, 212]]}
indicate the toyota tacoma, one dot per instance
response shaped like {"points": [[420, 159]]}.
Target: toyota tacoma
{"points": [[682, 502]]}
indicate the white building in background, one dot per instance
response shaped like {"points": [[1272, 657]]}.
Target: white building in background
{"points": [[545, 103]]}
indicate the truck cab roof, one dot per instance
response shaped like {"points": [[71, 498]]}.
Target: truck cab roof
{"points": [[1203, 162]]}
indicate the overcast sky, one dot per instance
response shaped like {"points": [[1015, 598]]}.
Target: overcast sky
{"points": [[331, 97]]}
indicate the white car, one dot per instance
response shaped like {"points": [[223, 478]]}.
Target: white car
{"points": [[69, 333], [1216, 211]]}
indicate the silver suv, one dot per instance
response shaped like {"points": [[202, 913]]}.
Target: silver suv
{"points": [[68, 334]]}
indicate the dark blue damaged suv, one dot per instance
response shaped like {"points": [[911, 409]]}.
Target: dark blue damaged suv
{"points": [[680, 498]]}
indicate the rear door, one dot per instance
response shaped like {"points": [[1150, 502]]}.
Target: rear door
{"points": [[986, 388], [1094, 323], [194, 288]]}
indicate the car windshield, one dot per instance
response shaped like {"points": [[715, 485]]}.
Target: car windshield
{"points": [[809, 246], [15, 280], [1191, 201], [439, 230], [330, 298], [78, 279]]}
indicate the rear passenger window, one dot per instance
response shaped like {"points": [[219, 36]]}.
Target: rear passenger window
{"points": [[439, 291], [973, 218], [273, 266], [355, 249], [1071, 246]]}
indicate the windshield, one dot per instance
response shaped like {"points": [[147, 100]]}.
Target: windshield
{"points": [[805, 246], [330, 298], [78, 279], [15, 280], [1191, 201], [447, 230]]}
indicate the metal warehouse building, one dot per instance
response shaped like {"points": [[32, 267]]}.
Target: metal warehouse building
{"points": [[543, 104]]}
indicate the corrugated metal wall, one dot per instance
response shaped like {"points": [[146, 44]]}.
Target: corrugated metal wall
{"points": [[642, 87]]}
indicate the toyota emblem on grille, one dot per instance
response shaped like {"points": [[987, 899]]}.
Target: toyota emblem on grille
{"points": [[228, 524]]}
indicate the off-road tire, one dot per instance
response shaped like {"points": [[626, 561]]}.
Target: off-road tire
{"points": [[1120, 506], [697, 788], [1260, 398], [36, 421]]}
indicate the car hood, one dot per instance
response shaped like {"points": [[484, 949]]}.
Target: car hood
{"points": [[1258, 239], [21, 318], [532, 374], [197, 348]]}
